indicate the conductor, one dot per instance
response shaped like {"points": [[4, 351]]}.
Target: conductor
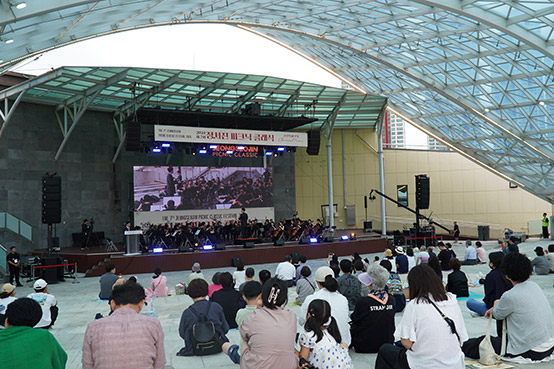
{"points": [[170, 182], [85, 234], [243, 218]]}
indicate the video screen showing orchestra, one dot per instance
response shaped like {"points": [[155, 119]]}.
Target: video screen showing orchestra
{"points": [[190, 188]]}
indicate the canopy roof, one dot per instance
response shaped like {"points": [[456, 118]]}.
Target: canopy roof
{"points": [[477, 74]]}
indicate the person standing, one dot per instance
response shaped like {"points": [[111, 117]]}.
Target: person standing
{"points": [[14, 263], [125, 339], [170, 182], [85, 234], [545, 222], [243, 218], [456, 232]]}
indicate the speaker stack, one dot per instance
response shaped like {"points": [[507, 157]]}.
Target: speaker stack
{"points": [[132, 142], [314, 136], [51, 200], [422, 191]]}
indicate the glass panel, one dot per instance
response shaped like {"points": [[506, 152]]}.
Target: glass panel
{"points": [[2, 220], [26, 230], [12, 223]]}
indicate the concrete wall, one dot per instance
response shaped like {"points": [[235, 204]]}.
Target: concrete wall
{"points": [[460, 189], [92, 187]]}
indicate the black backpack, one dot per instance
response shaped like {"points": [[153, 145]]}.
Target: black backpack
{"points": [[203, 335]]}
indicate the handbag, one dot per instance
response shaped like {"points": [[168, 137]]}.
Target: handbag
{"points": [[487, 355]]}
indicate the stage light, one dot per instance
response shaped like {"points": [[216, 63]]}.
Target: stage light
{"points": [[213, 147], [280, 149], [9, 41], [229, 152], [352, 236], [165, 144], [202, 151], [156, 149], [208, 247], [313, 240], [157, 250], [268, 153], [22, 5], [240, 147], [344, 238]]}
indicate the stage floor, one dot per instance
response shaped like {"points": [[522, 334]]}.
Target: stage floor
{"points": [[93, 261]]}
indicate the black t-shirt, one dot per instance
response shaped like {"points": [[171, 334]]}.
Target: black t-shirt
{"points": [[444, 258], [14, 258], [457, 284], [229, 299], [372, 324]]}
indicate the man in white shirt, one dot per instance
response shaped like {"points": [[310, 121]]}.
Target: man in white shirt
{"points": [[286, 271], [47, 302], [471, 255]]}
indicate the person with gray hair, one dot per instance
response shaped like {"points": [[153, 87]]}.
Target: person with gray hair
{"points": [[471, 255], [373, 317]]}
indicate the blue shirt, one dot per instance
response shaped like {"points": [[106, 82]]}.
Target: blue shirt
{"points": [[471, 253], [402, 262]]}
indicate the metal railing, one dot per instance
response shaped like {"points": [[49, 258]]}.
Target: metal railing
{"points": [[16, 225], [3, 255]]}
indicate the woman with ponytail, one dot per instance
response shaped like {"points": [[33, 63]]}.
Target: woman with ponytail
{"points": [[269, 332], [328, 291], [321, 341]]}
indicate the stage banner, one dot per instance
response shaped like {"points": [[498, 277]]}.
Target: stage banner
{"points": [[229, 136], [197, 216]]}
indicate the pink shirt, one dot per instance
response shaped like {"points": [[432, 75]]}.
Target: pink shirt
{"points": [[124, 340], [481, 254], [159, 286], [212, 288]]}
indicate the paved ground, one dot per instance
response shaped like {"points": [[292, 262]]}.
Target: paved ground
{"points": [[78, 306]]}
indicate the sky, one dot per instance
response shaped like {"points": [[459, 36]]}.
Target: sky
{"points": [[206, 47]]}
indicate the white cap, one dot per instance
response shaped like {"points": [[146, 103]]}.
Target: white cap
{"points": [[40, 284]]}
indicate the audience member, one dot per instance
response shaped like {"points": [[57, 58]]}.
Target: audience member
{"points": [[196, 273], [303, 263], [423, 325], [269, 332], [125, 339], [106, 282], [394, 287], [228, 298], [7, 296], [470, 257], [481, 253], [24, 347], [198, 290], [159, 283], [512, 245], [359, 268], [286, 271], [423, 256], [444, 256], [388, 256], [457, 280], [249, 274], [216, 284], [412, 260], [239, 275], [527, 312], [373, 318], [47, 302], [435, 264], [402, 264], [430, 252], [305, 286], [540, 263], [349, 286], [252, 295], [320, 342], [328, 291], [264, 275], [550, 257]]}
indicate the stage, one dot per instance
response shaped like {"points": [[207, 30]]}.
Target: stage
{"points": [[93, 261]]}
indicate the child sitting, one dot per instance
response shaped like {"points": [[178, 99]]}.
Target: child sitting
{"points": [[320, 343]]}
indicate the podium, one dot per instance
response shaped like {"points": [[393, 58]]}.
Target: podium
{"points": [[132, 242]]}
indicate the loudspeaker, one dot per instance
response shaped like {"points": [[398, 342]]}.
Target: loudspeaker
{"points": [[422, 191], [236, 261], [303, 241], [132, 142], [51, 200], [249, 245], [50, 275], [220, 246], [279, 243], [328, 239], [314, 136], [368, 226]]}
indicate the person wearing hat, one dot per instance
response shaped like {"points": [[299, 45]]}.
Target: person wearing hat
{"points": [[401, 261], [540, 263], [470, 255], [47, 302], [24, 347], [328, 291], [390, 257], [7, 296], [196, 273]]}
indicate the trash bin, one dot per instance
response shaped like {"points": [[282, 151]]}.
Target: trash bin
{"points": [[484, 232]]}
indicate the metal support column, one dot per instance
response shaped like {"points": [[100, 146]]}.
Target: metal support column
{"points": [[330, 178], [382, 188], [344, 170]]}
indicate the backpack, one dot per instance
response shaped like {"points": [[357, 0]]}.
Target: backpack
{"points": [[203, 335]]}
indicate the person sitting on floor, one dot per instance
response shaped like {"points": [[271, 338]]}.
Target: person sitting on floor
{"points": [[303, 263], [7, 296], [198, 291], [320, 341], [216, 284], [540, 263], [25, 347], [239, 275], [159, 283], [470, 257], [305, 286], [106, 282], [481, 253], [457, 280], [373, 318], [527, 312], [444, 256], [228, 298], [286, 271], [264, 275], [349, 286], [252, 294], [196, 273], [394, 287], [47, 302], [389, 256], [249, 273], [402, 264]]}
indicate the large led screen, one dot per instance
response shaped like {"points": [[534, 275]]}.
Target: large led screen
{"points": [[190, 188]]}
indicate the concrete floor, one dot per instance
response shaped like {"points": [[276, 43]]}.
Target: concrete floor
{"points": [[78, 303]]}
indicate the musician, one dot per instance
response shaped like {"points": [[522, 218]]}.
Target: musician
{"points": [[243, 218], [127, 226], [170, 182], [85, 234]]}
